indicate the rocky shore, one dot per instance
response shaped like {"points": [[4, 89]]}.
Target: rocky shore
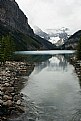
{"points": [[11, 100], [77, 65]]}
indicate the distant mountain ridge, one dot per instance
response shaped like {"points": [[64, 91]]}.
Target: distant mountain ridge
{"points": [[73, 40], [60, 37], [55, 36], [15, 23]]}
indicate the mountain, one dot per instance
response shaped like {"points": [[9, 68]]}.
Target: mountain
{"points": [[55, 36], [11, 15], [73, 40], [14, 22], [41, 33], [61, 33]]}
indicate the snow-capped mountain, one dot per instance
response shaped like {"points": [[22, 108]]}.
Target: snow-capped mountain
{"points": [[41, 33], [58, 36], [55, 36]]}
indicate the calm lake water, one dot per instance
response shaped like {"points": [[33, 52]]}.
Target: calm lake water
{"points": [[53, 86]]}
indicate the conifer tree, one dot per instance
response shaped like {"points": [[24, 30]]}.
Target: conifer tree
{"points": [[6, 48]]}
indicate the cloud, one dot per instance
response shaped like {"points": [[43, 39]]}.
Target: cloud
{"points": [[52, 13]]}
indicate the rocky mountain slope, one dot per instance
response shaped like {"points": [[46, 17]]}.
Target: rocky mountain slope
{"points": [[41, 33], [73, 40], [14, 22], [11, 15]]}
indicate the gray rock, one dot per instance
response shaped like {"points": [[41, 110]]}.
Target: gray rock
{"points": [[3, 89], [1, 93], [6, 97], [10, 89], [7, 93], [8, 103], [7, 69], [6, 84], [18, 102], [1, 101], [20, 109], [16, 98], [12, 94], [0, 97], [12, 82], [5, 103]]}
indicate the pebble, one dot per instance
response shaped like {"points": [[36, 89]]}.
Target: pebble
{"points": [[6, 84], [6, 97], [21, 109], [8, 89], [18, 102], [8, 103], [1, 102], [0, 97], [1, 93]]}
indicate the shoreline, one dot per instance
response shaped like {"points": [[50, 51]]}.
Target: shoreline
{"points": [[11, 100], [77, 65]]}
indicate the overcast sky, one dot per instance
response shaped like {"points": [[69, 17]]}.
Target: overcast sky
{"points": [[51, 14]]}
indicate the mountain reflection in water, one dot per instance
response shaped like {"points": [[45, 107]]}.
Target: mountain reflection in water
{"points": [[53, 85], [55, 63]]}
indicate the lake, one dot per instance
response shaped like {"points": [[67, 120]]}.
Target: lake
{"points": [[53, 85]]}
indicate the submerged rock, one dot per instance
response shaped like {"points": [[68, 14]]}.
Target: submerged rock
{"points": [[31, 120]]}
